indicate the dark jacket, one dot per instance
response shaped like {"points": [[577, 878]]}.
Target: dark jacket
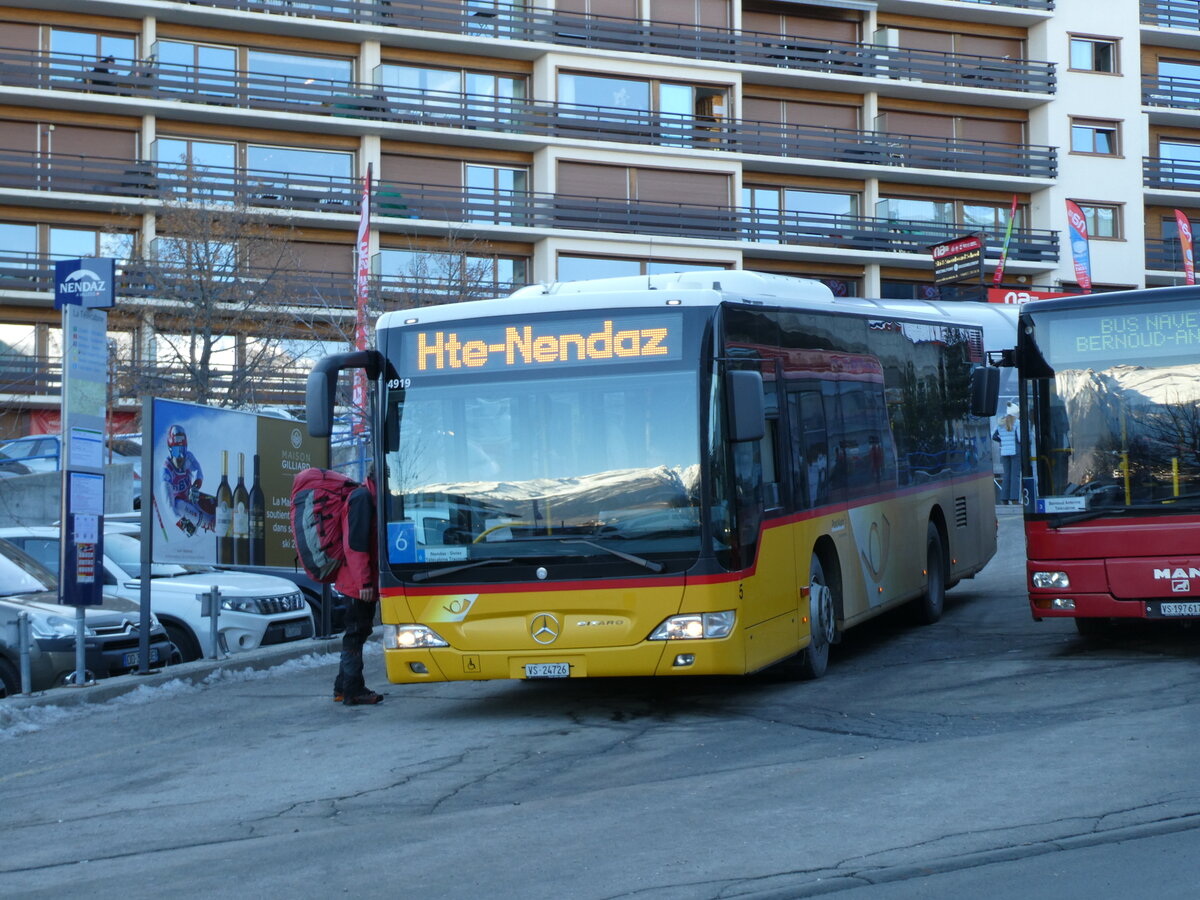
{"points": [[360, 542]]}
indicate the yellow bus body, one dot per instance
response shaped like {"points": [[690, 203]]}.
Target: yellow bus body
{"points": [[601, 627]]}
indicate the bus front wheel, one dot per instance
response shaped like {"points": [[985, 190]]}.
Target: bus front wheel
{"points": [[928, 607], [814, 659]]}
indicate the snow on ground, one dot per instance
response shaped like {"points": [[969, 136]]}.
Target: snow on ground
{"points": [[16, 720]]}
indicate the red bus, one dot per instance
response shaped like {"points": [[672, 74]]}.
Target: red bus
{"points": [[1110, 415]]}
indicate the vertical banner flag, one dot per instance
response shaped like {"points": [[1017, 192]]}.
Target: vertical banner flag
{"points": [[1185, 243], [1079, 246], [362, 280], [1012, 215]]}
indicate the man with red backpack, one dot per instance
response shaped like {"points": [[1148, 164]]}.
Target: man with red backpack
{"points": [[357, 579]]}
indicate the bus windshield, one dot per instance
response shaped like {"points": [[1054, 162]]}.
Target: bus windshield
{"points": [[571, 466], [1114, 394]]}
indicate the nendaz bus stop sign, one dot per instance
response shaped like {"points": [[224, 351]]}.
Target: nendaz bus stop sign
{"points": [[83, 290], [84, 282]]}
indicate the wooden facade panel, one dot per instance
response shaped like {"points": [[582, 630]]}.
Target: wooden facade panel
{"points": [[21, 136], [591, 180], [681, 186], [427, 170], [93, 142]]}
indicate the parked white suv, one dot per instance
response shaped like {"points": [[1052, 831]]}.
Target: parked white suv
{"points": [[256, 610]]}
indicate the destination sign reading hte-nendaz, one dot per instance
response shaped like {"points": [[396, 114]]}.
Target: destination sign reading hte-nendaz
{"points": [[553, 344]]}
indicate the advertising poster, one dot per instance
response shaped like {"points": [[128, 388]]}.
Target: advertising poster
{"points": [[223, 483], [958, 260]]}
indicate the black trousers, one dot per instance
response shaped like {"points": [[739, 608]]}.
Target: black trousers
{"points": [[360, 622]]}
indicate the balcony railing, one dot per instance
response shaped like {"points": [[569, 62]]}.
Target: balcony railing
{"points": [[519, 209], [316, 292], [479, 112], [1171, 174], [508, 21], [1171, 13], [563, 211], [1164, 255], [1172, 91], [41, 376]]}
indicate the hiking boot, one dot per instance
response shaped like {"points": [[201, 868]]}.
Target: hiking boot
{"points": [[338, 696], [366, 698]]}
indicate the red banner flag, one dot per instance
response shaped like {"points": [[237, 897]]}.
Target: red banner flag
{"points": [[362, 283], [1078, 233], [1185, 243]]}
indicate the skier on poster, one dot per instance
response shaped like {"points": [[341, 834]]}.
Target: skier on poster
{"points": [[182, 477]]}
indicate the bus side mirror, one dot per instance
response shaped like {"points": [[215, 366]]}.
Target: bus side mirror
{"points": [[320, 390], [985, 391], [747, 412]]}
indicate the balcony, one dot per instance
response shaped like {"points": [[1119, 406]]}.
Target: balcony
{"points": [[1171, 174], [515, 22], [1164, 255], [476, 112], [563, 211], [320, 293], [41, 376], [1171, 14], [1170, 91]]}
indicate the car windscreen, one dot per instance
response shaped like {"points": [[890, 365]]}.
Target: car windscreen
{"points": [[21, 573], [126, 551]]}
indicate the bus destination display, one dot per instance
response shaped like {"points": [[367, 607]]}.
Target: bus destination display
{"points": [[562, 342], [1123, 336]]}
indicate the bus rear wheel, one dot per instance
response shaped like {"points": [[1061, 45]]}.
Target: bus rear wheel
{"points": [[928, 608], [822, 603]]}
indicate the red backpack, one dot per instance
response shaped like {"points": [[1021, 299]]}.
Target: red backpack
{"points": [[318, 509]]}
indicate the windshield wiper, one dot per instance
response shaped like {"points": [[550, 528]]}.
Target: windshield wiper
{"points": [[628, 557], [450, 570], [1100, 511]]}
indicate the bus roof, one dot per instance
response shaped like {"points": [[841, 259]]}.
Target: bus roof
{"points": [[702, 288]]}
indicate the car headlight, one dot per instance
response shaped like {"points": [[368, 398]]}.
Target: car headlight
{"points": [[49, 626], [411, 637], [1051, 580], [242, 604], [695, 627]]}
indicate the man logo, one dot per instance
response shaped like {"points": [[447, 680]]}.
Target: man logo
{"points": [[544, 628]]}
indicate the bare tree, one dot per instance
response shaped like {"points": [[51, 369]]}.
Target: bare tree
{"points": [[220, 281]]}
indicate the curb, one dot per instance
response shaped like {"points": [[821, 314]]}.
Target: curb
{"points": [[193, 672]]}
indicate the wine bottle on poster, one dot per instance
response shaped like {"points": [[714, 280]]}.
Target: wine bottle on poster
{"points": [[224, 524], [241, 516], [258, 519]]}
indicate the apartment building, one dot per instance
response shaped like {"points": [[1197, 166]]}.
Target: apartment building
{"points": [[562, 139]]}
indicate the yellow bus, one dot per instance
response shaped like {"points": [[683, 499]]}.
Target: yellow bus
{"points": [[698, 473]]}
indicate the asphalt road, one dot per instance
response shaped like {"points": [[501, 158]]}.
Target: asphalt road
{"points": [[985, 756]]}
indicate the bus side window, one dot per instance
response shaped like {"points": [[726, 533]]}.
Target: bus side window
{"points": [[810, 449], [772, 490]]}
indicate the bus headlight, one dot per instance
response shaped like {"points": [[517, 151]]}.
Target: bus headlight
{"points": [[411, 637], [1051, 580], [694, 627]]}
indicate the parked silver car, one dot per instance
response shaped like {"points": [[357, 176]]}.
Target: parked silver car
{"points": [[111, 640]]}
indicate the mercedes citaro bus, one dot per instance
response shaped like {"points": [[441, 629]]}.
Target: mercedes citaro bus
{"points": [[698, 473]]}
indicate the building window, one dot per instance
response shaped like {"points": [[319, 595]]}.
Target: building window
{"points": [[1097, 137], [76, 243], [681, 108], [419, 277], [795, 211], [1103, 221], [480, 96], [89, 46], [1094, 55], [493, 192], [582, 268]]}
